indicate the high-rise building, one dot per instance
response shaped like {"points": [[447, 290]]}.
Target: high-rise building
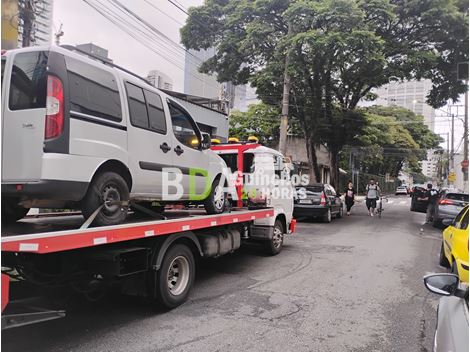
{"points": [[412, 96], [199, 84], [160, 80], [42, 25]]}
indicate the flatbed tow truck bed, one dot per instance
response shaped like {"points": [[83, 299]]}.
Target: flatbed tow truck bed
{"points": [[151, 258]]}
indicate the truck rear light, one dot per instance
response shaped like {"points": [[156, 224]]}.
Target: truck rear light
{"points": [[323, 199], [54, 108], [446, 202]]}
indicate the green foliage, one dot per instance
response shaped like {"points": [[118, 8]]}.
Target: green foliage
{"points": [[260, 120], [393, 137]]}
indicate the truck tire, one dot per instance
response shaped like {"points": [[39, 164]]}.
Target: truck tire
{"points": [[12, 211], [442, 258], [176, 276], [274, 245], [215, 202], [106, 186]]}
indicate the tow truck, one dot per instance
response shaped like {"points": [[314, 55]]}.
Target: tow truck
{"points": [[151, 258]]}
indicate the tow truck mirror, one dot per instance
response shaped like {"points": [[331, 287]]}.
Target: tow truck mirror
{"points": [[206, 141]]}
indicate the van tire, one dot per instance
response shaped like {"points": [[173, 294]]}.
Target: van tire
{"points": [[213, 204], [106, 186], [180, 257], [12, 211]]}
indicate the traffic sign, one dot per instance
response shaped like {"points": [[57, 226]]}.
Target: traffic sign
{"points": [[464, 164]]}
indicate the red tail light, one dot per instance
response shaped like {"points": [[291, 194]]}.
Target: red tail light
{"points": [[446, 202], [323, 199], [54, 108]]}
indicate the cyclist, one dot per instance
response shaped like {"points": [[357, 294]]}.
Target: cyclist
{"points": [[372, 195]]}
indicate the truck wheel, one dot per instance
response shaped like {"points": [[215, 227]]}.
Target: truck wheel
{"points": [[176, 276], [108, 186], [215, 202], [327, 216], [442, 258], [274, 246], [12, 211]]}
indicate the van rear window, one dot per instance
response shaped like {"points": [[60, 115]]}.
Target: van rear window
{"points": [[93, 91], [28, 81]]}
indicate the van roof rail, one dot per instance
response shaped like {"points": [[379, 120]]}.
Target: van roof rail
{"points": [[104, 61]]}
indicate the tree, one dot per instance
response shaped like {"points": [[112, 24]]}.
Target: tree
{"points": [[394, 137], [261, 120], [339, 50]]}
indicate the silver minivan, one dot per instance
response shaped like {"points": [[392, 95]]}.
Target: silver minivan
{"points": [[80, 133]]}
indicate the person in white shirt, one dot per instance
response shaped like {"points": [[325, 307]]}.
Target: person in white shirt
{"points": [[372, 195]]}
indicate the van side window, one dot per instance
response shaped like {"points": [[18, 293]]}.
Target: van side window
{"points": [[156, 113], [28, 81], [137, 106], [93, 91], [183, 128]]}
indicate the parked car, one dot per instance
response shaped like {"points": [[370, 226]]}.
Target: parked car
{"points": [[318, 201], [417, 205], [454, 246], [452, 313], [80, 133], [401, 190], [449, 205]]}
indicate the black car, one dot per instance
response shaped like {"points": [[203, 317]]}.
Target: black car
{"points": [[417, 205], [318, 201]]}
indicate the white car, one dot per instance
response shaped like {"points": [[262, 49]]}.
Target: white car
{"points": [[81, 133], [401, 190]]}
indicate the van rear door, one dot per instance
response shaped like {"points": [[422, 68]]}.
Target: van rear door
{"points": [[24, 83]]}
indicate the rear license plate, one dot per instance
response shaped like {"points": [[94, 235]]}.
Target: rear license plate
{"points": [[305, 201]]}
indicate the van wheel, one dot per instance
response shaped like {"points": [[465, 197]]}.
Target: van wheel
{"points": [[215, 202], [12, 211], [274, 246], [176, 276], [108, 186]]}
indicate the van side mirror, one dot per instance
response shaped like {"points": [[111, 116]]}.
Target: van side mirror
{"points": [[206, 141], [442, 284]]}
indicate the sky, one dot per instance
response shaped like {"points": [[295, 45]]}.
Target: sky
{"points": [[83, 24]]}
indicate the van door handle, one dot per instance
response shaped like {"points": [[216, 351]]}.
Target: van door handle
{"points": [[165, 147], [178, 150]]}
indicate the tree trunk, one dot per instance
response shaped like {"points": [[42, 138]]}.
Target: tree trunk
{"points": [[334, 168], [314, 170]]}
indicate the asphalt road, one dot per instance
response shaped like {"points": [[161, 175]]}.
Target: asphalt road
{"points": [[352, 285]]}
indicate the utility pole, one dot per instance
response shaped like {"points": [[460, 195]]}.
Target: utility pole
{"points": [[465, 142], [27, 14], [285, 102], [452, 145]]}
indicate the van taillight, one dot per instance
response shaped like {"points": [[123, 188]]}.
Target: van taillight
{"points": [[54, 108]]}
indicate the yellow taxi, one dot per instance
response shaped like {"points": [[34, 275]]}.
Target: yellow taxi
{"points": [[454, 247]]}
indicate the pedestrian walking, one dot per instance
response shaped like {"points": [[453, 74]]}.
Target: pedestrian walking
{"points": [[349, 197], [430, 196], [372, 195]]}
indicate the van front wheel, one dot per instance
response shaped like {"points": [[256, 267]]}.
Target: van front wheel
{"points": [[105, 189], [215, 202]]}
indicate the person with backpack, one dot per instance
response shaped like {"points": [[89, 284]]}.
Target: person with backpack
{"points": [[349, 197], [372, 195]]}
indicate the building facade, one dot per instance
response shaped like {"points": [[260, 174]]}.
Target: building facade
{"points": [[202, 85], [42, 24], [412, 96], [160, 80]]}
